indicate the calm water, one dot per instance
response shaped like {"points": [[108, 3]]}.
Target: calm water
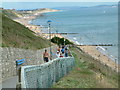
{"points": [[94, 25]]}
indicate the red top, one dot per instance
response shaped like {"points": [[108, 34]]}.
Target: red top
{"points": [[61, 56]]}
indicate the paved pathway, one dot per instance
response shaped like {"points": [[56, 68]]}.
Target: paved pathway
{"points": [[9, 83]]}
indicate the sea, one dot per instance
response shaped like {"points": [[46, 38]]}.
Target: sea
{"points": [[92, 25]]}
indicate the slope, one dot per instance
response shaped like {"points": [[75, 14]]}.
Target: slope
{"points": [[17, 35]]}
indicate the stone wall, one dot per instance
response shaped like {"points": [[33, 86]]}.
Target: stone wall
{"points": [[10, 55], [0, 65], [45, 75]]}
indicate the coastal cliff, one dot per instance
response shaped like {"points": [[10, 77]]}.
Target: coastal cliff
{"points": [[12, 13], [16, 35]]}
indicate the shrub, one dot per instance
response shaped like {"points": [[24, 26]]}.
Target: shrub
{"points": [[60, 41]]}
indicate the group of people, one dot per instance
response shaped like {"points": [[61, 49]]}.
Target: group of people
{"points": [[62, 51]]}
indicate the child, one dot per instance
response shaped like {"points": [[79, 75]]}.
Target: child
{"points": [[61, 55]]}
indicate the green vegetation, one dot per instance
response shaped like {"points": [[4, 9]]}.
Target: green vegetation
{"points": [[10, 13], [85, 75], [17, 35], [60, 41]]}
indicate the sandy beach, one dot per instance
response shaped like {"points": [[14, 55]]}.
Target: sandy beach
{"points": [[37, 29], [91, 50], [97, 55]]}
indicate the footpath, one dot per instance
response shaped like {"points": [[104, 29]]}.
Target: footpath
{"points": [[9, 83]]}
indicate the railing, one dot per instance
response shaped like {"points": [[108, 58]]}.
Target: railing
{"points": [[45, 75]]}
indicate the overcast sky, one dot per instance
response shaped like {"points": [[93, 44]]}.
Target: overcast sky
{"points": [[60, 0]]}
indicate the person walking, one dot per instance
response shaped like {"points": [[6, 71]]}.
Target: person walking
{"points": [[58, 49], [62, 50], [66, 52], [45, 56], [61, 55], [58, 54]]}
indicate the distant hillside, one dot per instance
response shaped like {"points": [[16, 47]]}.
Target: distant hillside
{"points": [[35, 12], [11, 13], [17, 35], [106, 6]]}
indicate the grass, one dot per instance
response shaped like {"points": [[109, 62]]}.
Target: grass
{"points": [[10, 13], [18, 36], [84, 76]]}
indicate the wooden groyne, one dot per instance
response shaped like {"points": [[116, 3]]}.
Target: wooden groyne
{"points": [[75, 45], [61, 33], [97, 45]]}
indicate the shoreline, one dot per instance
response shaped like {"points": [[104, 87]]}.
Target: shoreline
{"points": [[97, 55], [91, 50], [37, 29], [104, 57]]}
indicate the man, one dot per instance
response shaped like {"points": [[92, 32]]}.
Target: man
{"points": [[62, 50], [66, 52], [45, 56], [58, 49]]}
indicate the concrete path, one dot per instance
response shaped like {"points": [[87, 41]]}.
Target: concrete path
{"points": [[9, 83]]}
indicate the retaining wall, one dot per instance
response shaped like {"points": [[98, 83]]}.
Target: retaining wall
{"points": [[0, 66], [10, 55], [45, 75]]}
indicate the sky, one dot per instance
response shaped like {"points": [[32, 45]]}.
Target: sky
{"points": [[60, 0], [33, 4]]}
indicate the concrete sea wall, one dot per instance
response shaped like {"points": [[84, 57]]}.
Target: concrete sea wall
{"points": [[10, 55], [45, 75]]}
